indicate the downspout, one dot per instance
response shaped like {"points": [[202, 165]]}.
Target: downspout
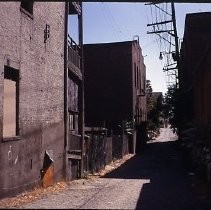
{"points": [[66, 146]]}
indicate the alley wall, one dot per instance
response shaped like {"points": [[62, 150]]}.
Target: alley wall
{"points": [[40, 94]]}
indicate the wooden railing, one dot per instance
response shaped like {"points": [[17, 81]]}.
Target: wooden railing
{"points": [[74, 146], [74, 52]]}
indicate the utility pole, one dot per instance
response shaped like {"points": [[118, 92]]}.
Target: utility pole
{"points": [[176, 38], [80, 28], [164, 26]]}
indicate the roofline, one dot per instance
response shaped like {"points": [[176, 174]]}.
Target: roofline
{"points": [[112, 43]]}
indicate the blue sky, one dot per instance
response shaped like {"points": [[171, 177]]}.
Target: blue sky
{"points": [[114, 22]]}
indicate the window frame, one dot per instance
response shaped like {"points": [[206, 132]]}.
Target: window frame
{"points": [[14, 75], [74, 123], [134, 66]]}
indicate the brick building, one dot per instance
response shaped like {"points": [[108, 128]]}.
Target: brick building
{"points": [[195, 86], [114, 83], [34, 78], [195, 67]]}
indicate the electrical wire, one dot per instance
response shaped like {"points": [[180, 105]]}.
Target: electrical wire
{"points": [[164, 40], [109, 24], [114, 20], [110, 20]]}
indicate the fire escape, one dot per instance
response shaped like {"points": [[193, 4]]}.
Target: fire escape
{"points": [[75, 98]]}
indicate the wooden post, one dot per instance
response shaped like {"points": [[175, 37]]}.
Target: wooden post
{"points": [[176, 39], [80, 18]]}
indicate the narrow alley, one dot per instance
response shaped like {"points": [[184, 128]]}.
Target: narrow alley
{"points": [[84, 113], [155, 179]]}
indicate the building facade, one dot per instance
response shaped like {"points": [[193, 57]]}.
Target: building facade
{"points": [[195, 88], [195, 68], [114, 83], [38, 94]]}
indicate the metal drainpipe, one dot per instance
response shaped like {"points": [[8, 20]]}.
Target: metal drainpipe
{"points": [[66, 88]]}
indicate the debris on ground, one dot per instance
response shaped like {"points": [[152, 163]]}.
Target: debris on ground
{"points": [[39, 192], [30, 196]]}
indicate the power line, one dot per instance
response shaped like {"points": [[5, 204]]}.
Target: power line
{"points": [[107, 24], [114, 20], [164, 28], [111, 21]]}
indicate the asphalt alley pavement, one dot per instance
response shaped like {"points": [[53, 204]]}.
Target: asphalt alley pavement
{"points": [[153, 180]]}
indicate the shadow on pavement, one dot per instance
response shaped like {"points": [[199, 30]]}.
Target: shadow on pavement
{"points": [[169, 186]]}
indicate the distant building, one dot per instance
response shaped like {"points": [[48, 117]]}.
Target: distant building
{"points": [[157, 95], [115, 77]]}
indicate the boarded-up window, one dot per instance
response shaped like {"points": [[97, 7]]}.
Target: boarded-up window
{"points": [[72, 95], [73, 105], [10, 105], [73, 122]]}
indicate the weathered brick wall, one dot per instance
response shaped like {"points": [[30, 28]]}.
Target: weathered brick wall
{"points": [[196, 92], [143, 98], [111, 86], [138, 86], [41, 106], [139, 97]]}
